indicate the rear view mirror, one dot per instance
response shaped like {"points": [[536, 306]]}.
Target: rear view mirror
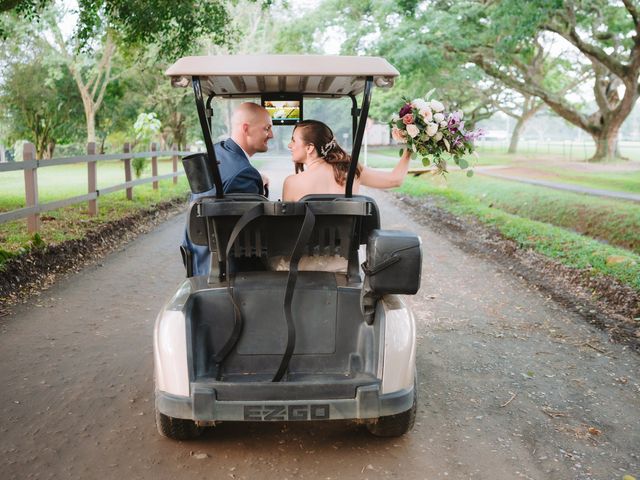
{"points": [[394, 261]]}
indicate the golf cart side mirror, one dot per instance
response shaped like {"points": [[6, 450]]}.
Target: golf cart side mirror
{"points": [[394, 261], [199, 172]]}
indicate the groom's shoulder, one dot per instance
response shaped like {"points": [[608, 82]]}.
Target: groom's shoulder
{"points": [[228, 147]]}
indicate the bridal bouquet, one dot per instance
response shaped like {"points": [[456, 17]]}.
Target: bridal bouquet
{"points": [[433, 133]]}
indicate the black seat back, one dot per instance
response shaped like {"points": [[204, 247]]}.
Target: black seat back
{"points": [[341, 226]]}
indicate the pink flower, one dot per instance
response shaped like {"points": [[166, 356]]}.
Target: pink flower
{"points": [[398, 135], [408, 118]]}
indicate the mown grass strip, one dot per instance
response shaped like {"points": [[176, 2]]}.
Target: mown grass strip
{"points": [[613, 221], [570, 248]]}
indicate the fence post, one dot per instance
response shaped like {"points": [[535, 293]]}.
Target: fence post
{"points": [[127, 170], [154, 164], [31, 186]]}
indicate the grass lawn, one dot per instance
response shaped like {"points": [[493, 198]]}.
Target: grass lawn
{"points": [[546, 221], [614, 221], [56, 183], [64, 181], [617, 181]]}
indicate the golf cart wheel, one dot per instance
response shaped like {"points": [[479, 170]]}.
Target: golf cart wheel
{"points": [[177, 428], [398, 424]]}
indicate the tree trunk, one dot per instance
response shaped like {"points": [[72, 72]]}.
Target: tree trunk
{"points": [[41, 147], [93, 87], [515, 135], [51, 146], [90, 115], [606, 143]]}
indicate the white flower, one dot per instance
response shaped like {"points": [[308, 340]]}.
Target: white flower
{"points": [[395, 117], [420, 104], [426, 114], [432, 128], [438, 117], [460, 114], [438, 136], [443, 123], [436, 106], [413, 130]]}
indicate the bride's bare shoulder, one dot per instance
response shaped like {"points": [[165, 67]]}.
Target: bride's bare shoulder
{"points": [[294, 187]]}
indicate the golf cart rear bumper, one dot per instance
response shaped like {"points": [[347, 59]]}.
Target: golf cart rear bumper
{"points": [[203, 406]]}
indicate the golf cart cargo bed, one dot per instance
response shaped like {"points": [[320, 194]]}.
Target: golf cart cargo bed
{"points": [[333, 342]]}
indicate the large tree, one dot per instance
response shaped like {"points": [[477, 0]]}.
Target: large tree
{"points": [[39, 102], [106, 27], [176, 25], [517, 43]]}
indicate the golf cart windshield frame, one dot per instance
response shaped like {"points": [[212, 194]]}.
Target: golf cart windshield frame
{"points": [[359, 120]]}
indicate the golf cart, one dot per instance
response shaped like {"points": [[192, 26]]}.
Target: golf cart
{"points": [[249, 342]]}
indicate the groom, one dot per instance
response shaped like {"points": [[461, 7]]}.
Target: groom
{"points": [[251, 130]]}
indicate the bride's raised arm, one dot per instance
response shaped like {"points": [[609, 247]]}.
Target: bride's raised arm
{"points": [[385, 179]]}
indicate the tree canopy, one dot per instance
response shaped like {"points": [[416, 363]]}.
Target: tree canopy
{"points": [[176, 26]]}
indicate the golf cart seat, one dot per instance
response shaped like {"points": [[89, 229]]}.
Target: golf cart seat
{"points": [[264, 231]]}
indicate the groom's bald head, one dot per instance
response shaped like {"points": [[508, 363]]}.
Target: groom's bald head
{"points": [[251, 127]]}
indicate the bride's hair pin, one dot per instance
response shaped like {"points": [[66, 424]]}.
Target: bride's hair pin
{"points": [[324, 151]]}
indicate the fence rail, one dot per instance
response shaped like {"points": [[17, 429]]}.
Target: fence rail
{"points": [[30, 166]]}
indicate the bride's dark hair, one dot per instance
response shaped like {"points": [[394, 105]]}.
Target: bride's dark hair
{"points": [[318, 134]]}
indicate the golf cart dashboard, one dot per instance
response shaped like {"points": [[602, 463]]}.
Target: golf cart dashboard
{"points": [[284, 108]]}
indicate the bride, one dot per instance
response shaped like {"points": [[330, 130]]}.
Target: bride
{"points": [[327, 165]]}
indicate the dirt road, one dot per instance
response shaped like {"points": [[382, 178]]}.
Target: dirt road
{"points": [[512, 385]]}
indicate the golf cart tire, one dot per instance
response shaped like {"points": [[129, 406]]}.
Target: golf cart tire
{"points": [[177, 428], [395, 425]]}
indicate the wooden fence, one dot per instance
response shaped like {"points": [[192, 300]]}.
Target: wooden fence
{"points": [[30, 165]]}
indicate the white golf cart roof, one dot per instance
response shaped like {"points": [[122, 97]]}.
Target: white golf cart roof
{"points": [[253, 75]]}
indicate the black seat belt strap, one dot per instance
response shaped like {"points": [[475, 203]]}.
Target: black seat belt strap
{"points": [[242, 222], [298, 250]]}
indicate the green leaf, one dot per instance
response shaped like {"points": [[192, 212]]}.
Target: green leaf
{"points": [[37, 242], [463, 163], [426, 162], [414, 155], [469, 173], [400, 152]]}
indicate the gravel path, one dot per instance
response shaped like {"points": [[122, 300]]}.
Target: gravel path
{"points": [[512, 384]]}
